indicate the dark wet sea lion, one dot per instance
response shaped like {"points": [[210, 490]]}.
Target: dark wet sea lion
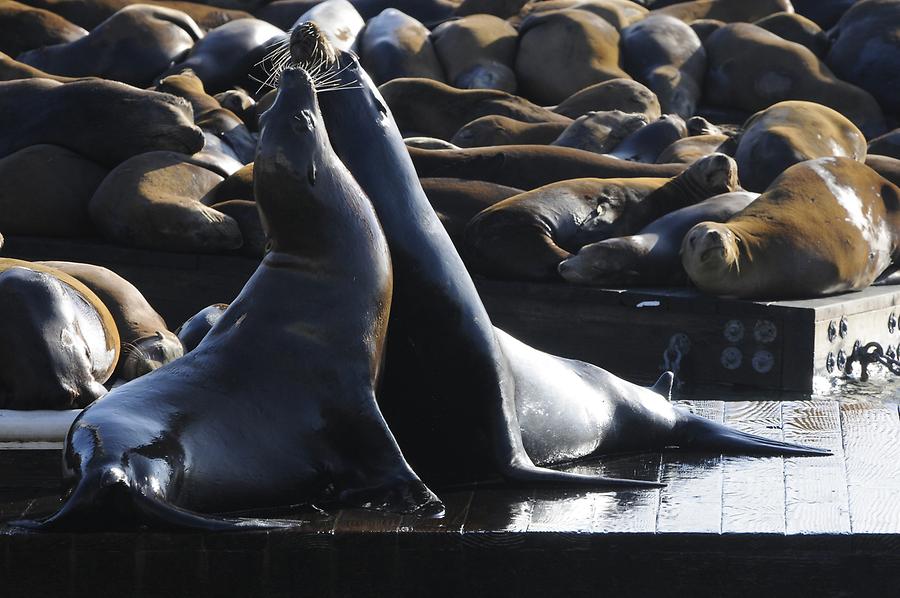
{"points": [[414, 99], [646, 143], [600, 132], [824, 13], [652, 256], [617, 94], [562, 52], [60, 341], [198, 326], [146, 341], [133, 46], [526, 236], [791, 132], [152, 201], [457, 201], [886, 145], [729, 11], [45, 191], [824, 226], [530, 166], [494, 129], [666, 55], [477, 52], [395, 45], [864, 50], [751, 69], [798, 29], [11, 69], [244, 212], [173, 444], [105, 121], [23, 27], [471, 378]]}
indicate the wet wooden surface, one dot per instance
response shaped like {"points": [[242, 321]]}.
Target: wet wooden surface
{"points": [[722, 526]]}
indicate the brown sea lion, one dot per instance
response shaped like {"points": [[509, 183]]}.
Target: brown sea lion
{"points": [[618, 13], [477, 52], [152, 201], [706, 27], [798, 29], [413, 101], [618, 94], [690, 149], [729, 11], [237, 186], [666, 55], [45, 191], [791, 132], [528, 235], [600, 132], [824, 226], [60, 341], [652, 257], [104, 121], [11, 69], [530, 166], [498, 8], [133, 46], [865, 52], [90, 13], [23, 27], [395, 45], [751, 69], [146, 341], [562, 52], [241, 104], [457, 201], [494, 129], [886, 166]]}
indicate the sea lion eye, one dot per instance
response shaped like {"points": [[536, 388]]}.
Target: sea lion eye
{"points": [[306, 117]]}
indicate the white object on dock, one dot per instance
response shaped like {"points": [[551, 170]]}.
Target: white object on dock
{"points": [[35, 429]]}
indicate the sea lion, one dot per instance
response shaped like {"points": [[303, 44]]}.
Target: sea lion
{"points": [[477, 52], [90, 13], [564, 51], [170, 449], [45, 191], [798, 29], [618, 94], [600, 132], [706, 27], [241, 104], [646, 143], [494, 129], [23, 27], [104, 121], [413, 101], [886, 145], [195, 328], [618, 13], [429, 12], [457, 201], [132, 46], [526, 236], [751, 69], [338, 20], [791, 132], [245, 214], [471, 378], [227, 55], [652, 257], [666, 55], [530, 166], [690, 149], [824, 13], [146, 341], [152, 201], [824, 226], [283, 13], [395, 45], [864, 50], [11, 69], [729, 11], [498, 8], [61, 343], [237, 186]]}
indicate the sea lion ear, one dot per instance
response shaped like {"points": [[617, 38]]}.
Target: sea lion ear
{"points": [[664, 385]]}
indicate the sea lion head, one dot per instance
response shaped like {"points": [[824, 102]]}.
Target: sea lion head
{"points": [[149, 353], [710, 254], [312, 50], [611, 261], [713, 174]]}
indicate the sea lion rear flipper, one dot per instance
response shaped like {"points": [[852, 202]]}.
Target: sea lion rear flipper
{"points": [[695, 432]]}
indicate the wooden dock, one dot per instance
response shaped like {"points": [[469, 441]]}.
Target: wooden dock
{"points": [[722, 526]]}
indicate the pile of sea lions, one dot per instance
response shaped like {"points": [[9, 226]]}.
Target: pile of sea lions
{"points": [[358, 365]]}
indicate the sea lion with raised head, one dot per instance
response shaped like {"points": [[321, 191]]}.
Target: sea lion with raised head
{"points": [[171, 447], [653, 255], [824, 226], [528, 235]]}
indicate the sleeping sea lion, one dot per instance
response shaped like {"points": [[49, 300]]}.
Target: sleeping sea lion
{"points": [[395, 45], [478, 52], [24, 27]]}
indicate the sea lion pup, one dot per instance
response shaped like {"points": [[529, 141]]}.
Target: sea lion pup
{"points": [[414, 100], [463, 378], [790, 132], [295, 424], [146, 341], [527, 236], [395, 45], [60, 341], [824, 226], [652, 256]]}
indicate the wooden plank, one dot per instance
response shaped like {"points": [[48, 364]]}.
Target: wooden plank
{"points": [[871, 435], [816, 500], [753, 487], [691, 502]]}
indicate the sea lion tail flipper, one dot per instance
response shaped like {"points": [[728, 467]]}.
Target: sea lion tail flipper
{"points": [[695, 432], [541, 475], [663, 386]]}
